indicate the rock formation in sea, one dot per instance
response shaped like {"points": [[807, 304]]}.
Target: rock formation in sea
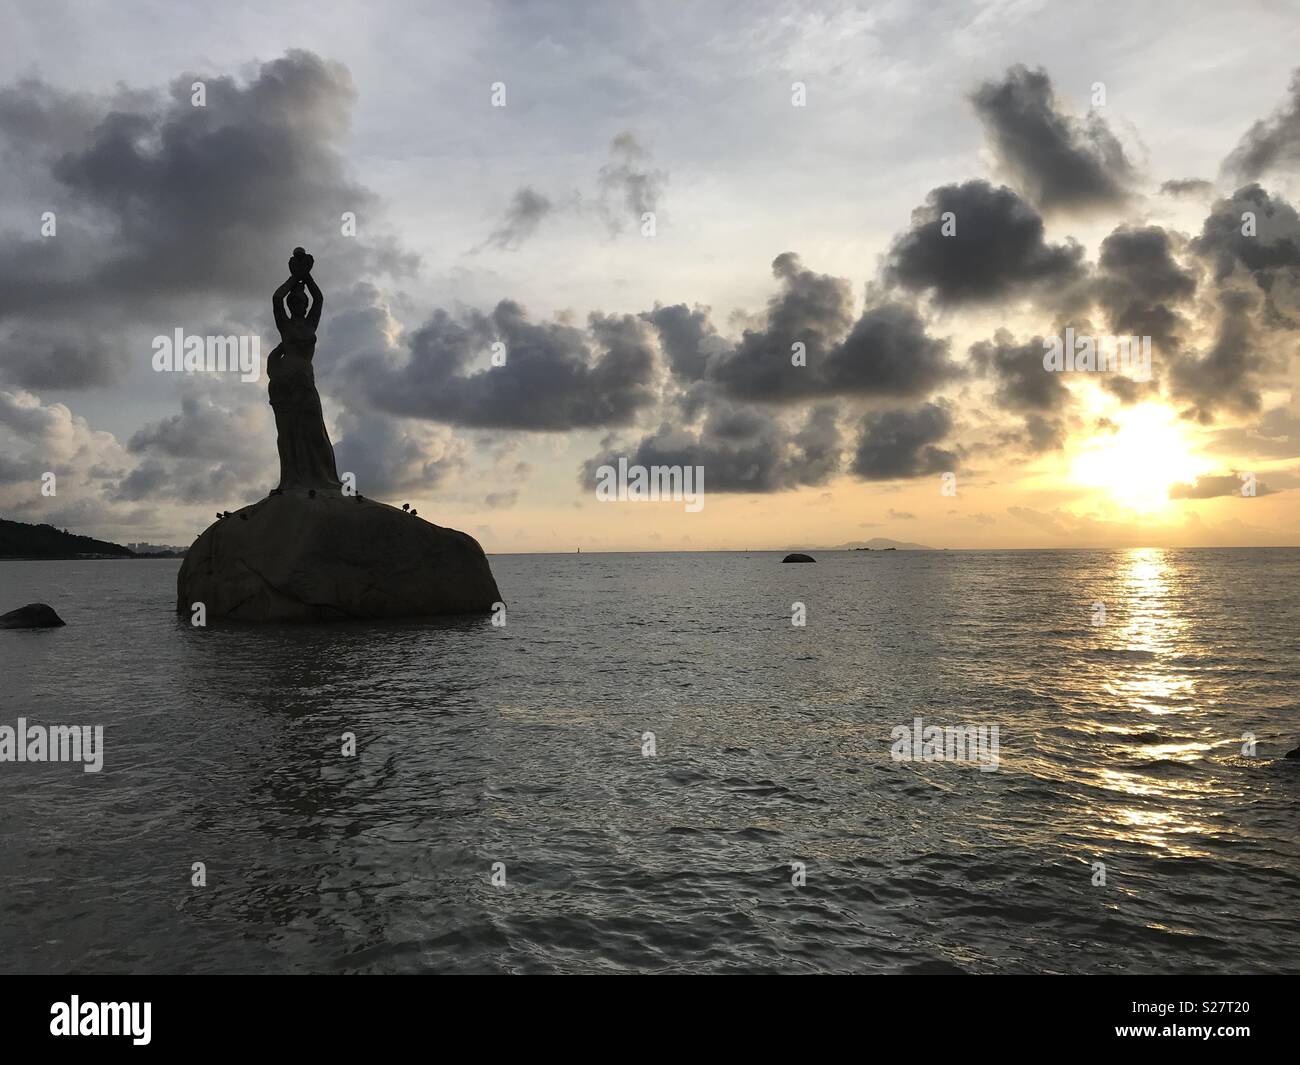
{"points": [[311, 551], [31, 616], [797, 557]]}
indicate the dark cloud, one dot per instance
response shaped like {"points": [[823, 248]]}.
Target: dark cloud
{"points": [[1225, 377], [1020, 382], [523, 216], [688, 338], [1140, 285], [1060, 163], [1187, 187], [158, 201], [1022, 386], [998, 251], [901, 443], [1271, 256], [44, 355], [742, 449], [886, 352], [1210, 487], [1270, 144], [555, 377]]}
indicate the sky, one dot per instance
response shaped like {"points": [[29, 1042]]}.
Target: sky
{"points": [[817, 250]]}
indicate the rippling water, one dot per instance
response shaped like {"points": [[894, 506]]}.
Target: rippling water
{"points": [[1119, 743]]}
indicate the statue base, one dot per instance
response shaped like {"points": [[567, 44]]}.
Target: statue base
{"points": [[328, 557]]}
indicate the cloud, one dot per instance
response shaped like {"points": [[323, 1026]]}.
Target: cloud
{"points": [[208, 452], [742, 449], [629, 185], [1189, 187], [1270, 144], [1060, 163], [160, 204], [688, 338], [1273, 434], [997, 252], [1048, 523], [555, 376], [1021, 385], [1270, 254], [900, 443], [886, 352], [501, 500], [396, 456], [38, 438], [1226, 376], [1141, 286], [523, 216], [1210, 487], [1020, 382]]}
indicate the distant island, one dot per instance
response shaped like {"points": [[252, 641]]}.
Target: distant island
{"points": [[879, 543], [18, 540]]}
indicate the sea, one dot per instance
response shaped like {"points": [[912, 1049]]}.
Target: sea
{"points": [[671, 763]]}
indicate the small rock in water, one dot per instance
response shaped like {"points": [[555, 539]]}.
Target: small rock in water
{"points": [[797, 557], [1293, 754], [31, 616]]}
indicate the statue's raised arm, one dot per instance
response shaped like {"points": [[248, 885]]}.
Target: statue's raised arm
{"points": [[277, 303], [317, 301]]}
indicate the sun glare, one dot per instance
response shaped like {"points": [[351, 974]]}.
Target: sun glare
{"points": [[1138, 463]]}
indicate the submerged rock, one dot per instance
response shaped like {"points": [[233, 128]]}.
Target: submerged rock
{"points": [[31, 616], [295, 557], [797, 557], [1293, 754]]}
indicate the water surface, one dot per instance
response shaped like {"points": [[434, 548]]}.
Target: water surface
{"points": [[1121, 744]]}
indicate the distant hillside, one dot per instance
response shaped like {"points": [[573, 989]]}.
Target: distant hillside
{"points": [[20, 540], [879, 543]]}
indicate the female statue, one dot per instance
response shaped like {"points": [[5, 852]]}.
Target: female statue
{"points": [[306, 455]]}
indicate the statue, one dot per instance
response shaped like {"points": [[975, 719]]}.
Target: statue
{"points": [[307, 552], [306, 455]]}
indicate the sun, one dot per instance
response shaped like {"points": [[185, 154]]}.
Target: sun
{"points": [[1136, 464]]}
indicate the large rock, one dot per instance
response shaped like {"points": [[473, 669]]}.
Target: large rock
{"points": [[31, 616], [299, 557], [798, 557]]}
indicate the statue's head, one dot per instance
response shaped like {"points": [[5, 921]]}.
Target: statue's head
{"points": [[296, 301]]}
